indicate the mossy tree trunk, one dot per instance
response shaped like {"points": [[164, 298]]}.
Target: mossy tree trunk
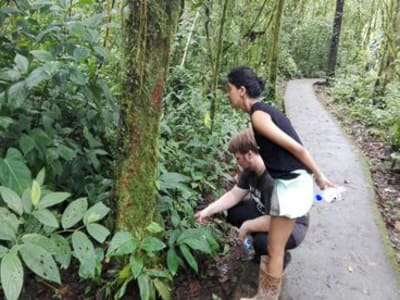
{"points": [[148, 30], [275, 49]]}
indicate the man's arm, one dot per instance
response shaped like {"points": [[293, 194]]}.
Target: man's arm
{"points": [[259, 224], [226, 201]]}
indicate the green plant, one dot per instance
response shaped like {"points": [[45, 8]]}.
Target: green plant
{"points": [[36, 229]]}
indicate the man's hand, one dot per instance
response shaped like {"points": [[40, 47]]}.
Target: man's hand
{"points": [[202, 216], [244, 230]]}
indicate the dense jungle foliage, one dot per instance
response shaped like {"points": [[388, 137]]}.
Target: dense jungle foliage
{"points": [[60, 91]]}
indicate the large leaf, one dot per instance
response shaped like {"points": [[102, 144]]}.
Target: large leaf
{"points": [[22, 63], [42, 55], [172, 261], [95, 213], [170, 180], [46, 217], [84, 252], [12, 276], [163, 289], [41, 241], [74, 213], [98, 232], [13, 172], [122, 243], [152, 244], [27, 200], [53, 199], [12, 200], [26, 143], [9, 225], [63, 251], [36, 192], [144, 287], [17, 94], [136, 263], [189, 257], [40, 262]]}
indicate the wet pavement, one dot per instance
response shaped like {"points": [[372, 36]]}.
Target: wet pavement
{"points": [[346, 254]]}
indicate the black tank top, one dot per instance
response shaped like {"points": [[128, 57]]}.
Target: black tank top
{"points": [[279, 162]]}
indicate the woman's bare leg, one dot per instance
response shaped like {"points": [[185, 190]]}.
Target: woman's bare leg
{"points": [[279, 232]]}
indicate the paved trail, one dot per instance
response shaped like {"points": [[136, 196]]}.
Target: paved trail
{"points": [[343, 255]]}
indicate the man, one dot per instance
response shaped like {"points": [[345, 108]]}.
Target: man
{"points": [[246, 201]]}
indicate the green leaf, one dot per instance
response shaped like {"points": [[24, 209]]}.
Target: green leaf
{"points": [[5, 122], [12, 199], [122, 243], [36, 77], [42, 55], [27, 201], [26, 143], [144, 287], [52, 199], [137, 264], [189, 257], [74, 213], [17, 94], [63, 252], [67, 153], [12, 276], [197, 244], [9, 225], [13, 172], [40, 262], [35, 193], [22, 63], [41, 241], [3, 251], [46, 217], [98, 232], [95, 213], [41, 176], [154, 228], [163, 289], [170, 180], [172, 261], [152, 244], [84, 252]]}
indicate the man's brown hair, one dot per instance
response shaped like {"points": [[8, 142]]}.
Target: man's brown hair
{"points": [[243, 142]]}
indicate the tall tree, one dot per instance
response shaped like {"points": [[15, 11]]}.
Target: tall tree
{"points": [[333, 50], [148, 29]]}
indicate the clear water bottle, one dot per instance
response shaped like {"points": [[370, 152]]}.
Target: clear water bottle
{"points": [[330, 194], [248, 243]]}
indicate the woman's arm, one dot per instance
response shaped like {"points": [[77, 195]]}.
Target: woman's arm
{"points": [[263, 123], [226, 201]]}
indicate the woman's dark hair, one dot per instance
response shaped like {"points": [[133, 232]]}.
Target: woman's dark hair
{"points": [[245, 76]]}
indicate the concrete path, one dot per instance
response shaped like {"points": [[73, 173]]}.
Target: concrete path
{"points": [[343, 255]]}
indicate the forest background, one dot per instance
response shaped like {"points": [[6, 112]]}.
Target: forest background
{"points": [[114, 125]]}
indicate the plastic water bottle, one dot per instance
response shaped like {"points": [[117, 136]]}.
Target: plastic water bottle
{"points": [[248, 243], [331, 194]]}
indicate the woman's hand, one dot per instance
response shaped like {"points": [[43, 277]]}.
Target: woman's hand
{"points": [[323, 182]]}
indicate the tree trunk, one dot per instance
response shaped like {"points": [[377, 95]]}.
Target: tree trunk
{"points": [[148, 29], [333, 50], [275, 50]]}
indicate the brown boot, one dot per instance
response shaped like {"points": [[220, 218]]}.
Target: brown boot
{"points": [[269, 287]]}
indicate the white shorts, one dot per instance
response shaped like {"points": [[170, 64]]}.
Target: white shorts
{"points": [[292, 198]]}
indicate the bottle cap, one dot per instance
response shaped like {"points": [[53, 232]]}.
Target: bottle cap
{"points": [[318, 197]]}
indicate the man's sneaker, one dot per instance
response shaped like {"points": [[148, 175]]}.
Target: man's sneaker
{"points": [[286, 259]]}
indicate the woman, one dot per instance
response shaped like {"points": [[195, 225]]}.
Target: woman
{"points": [[287, 161]]}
